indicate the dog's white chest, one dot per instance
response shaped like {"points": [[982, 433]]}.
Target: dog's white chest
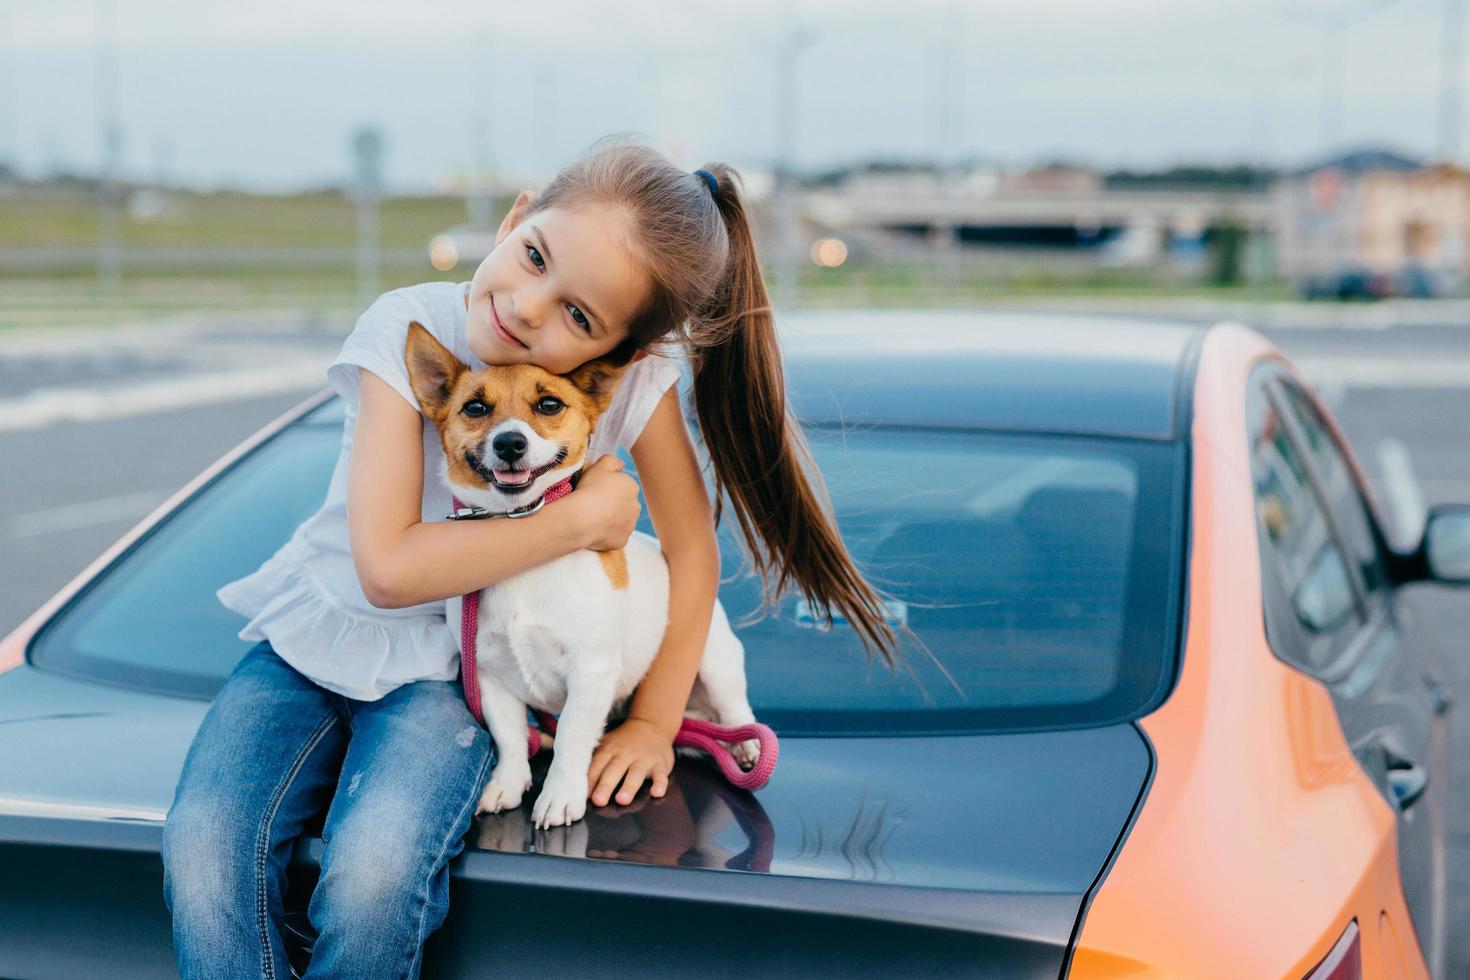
{"points": [[540, 628]]}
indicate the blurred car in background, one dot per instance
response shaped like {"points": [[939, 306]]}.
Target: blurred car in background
{"points": [[1411, 281], [1162, 717]]}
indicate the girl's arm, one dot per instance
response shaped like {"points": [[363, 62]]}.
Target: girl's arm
{"points": [[642, 746], [402, 560]]}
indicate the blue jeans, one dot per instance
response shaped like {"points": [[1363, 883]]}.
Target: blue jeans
{"points": [[398, 779]]}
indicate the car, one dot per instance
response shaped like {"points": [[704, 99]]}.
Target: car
{"points": [[1412, 279], [1157, 714], [1353, 282]]}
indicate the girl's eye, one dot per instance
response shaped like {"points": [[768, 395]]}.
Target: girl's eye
{"points": [[581, 319], [535, 257], [549, 406], [475, 409]]}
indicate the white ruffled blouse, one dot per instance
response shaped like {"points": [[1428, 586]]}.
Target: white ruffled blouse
{"points": [[306, 599]]}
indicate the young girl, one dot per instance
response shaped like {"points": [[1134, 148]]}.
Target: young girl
{"points": [[350, 704]]}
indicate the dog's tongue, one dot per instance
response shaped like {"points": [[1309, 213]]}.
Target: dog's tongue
{"points": [[513, 478]]}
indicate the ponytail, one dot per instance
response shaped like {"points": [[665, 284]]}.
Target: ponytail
{"points": [[761, 461], [705, 277]]}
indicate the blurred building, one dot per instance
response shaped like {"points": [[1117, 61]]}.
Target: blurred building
{"points": [[1054, 178], [1059, 215], [1374, 223]]}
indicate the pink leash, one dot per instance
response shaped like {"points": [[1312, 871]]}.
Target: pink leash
{"points": [[706, 735], [712, 738]]}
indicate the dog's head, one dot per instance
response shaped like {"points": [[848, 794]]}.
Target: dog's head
{"points": [[510, 432]]}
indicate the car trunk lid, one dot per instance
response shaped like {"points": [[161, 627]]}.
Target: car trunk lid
{"points": [[862, 855]]}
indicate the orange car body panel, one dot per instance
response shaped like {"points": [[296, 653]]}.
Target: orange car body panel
{"points": [[1261, 838]]}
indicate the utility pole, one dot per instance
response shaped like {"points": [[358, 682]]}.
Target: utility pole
{"points": [[109, 190], [1334, 21], [9, 101], [479, 195], [367, 149], [949, 101], [1257, 269], [793, 38], [948, 153], [546, 101], [1333, 82], [1451, 79]]}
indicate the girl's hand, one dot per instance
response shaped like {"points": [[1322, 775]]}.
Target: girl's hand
{"points": [[609, 501], [635, 751]]}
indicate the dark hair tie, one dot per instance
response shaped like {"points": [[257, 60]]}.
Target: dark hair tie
{"points": [[709, 178]]}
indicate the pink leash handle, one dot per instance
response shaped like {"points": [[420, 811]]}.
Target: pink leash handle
{"points": [[713, 739]]}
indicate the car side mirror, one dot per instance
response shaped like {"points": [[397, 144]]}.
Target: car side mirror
{"points": [[1446, 546]]}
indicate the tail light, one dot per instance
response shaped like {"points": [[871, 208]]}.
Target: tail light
{"points": [[1345, 961]]}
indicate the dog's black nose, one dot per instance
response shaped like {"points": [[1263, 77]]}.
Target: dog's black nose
{"points": [[509, 446]]}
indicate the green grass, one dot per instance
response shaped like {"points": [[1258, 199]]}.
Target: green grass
{"points": [[324, 220]]}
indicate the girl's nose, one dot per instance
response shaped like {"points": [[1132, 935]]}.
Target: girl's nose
{"points": [[533, 304]]}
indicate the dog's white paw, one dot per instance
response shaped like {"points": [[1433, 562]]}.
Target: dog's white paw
{"points": [[563, 800], [504, 790], [747, 753]]}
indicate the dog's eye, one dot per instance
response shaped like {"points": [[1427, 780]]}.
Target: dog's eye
{"points": [[475, 409], [549, 406]]}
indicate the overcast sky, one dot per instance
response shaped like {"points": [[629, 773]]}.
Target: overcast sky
{"points": [[265, 94]]}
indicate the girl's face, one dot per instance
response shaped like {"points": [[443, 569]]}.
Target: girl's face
{"points": [[558, 290]]}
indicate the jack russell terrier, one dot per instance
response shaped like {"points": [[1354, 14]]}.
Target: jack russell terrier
{"points": [[576, 634]]}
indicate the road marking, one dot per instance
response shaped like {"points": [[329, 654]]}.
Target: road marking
{"points": [[90, 514], [49, 406], [1405, 496], [1387, 315], [1369, 372], [175, 332], [1289, 317], [1265, 316]]}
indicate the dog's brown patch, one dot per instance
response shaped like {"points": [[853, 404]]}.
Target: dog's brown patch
{"points": [[615, 564]]}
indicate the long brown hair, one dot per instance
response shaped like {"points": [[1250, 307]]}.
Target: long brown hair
{"points": [[707, 289]]}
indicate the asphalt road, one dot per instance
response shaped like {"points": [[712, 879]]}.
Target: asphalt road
{"points": [[97, 428]]}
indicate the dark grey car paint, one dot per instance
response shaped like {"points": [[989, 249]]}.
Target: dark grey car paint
{"points": [[1010, 372], [950, 854]]}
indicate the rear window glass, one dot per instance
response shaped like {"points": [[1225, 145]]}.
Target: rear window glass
{"points": [[1033, 572], [151, 619], [1038, 575]]}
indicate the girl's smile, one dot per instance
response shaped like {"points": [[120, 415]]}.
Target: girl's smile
{"points": [[500, 327]]}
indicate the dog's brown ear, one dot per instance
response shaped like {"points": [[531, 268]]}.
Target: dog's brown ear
{"points": [[432, 369], [598, 380]]}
